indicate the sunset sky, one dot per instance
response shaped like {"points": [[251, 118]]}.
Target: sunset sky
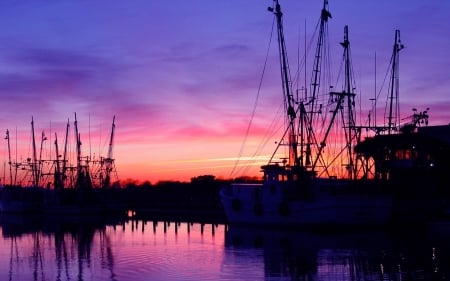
{"points": [[182, 77]]}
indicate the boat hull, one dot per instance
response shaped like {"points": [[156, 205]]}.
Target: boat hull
{"points": [[38, 200], [243, 205]]}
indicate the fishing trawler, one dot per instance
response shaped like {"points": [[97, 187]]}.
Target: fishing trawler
{"points": [[306, 188], [58, 186]]}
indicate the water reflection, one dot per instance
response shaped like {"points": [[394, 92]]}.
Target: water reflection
{"points": [[401, 254], [56, 248], [99, 248]]}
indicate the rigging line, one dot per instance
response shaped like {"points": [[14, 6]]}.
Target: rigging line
{"points": [[301, 66], [270, 133], [382, 86], [286, 132], [256, 102]]}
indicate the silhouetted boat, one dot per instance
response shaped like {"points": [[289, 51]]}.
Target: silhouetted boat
{"points": [[59, 187], [391, 176]]}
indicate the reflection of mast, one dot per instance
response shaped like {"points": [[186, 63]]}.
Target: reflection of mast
{"points": [[37, 257], [84, 243], [61, 253], [16, 256], [109, 254]]}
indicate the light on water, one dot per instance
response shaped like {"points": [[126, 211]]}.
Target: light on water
{"points": [[108, 249]]}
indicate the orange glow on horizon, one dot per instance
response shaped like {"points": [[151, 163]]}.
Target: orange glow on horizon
{"points": [[185, 169]]}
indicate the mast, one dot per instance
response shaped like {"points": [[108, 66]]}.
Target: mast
{"points": [[58, 176], [287, 92], [349, 116], [64, 163], [315, 83], [109, 161], [78, 144], [346, 111], [34, 171], [83, 178], [9, 158], [351, 133], [394, 90], [43, 138]]}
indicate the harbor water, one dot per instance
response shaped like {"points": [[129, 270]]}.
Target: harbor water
{"points": [[125, 249]]}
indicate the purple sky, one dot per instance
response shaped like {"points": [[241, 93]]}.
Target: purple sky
{"points": [[181, 77]]}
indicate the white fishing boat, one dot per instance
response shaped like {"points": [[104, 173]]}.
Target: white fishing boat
{"points": [[300, 188]]}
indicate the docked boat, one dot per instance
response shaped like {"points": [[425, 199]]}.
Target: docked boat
{"points": [[58, 186], [391, 176]]}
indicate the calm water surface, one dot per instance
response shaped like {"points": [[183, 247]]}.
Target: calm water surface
{"points": [[108, 249]]}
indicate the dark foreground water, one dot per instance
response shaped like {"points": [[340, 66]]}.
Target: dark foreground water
{"points": [[110, 249]]}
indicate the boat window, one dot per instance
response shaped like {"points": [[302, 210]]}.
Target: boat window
{"points": [[408, 154], [404, 154], [270, 177]]}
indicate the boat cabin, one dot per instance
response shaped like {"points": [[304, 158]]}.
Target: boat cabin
{"points": [[412, 156]]}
